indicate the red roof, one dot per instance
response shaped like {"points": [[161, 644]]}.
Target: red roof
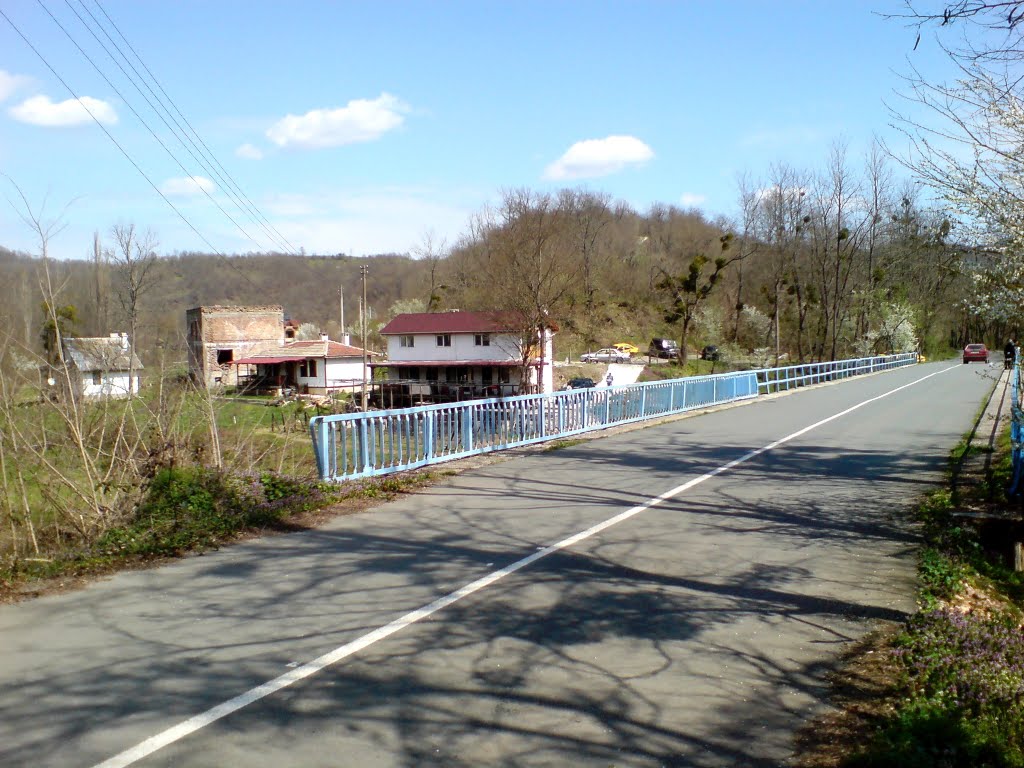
{"points": [[449, 363], [303, 350], [454, 322]]}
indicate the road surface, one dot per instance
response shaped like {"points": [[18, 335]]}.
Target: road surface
{"points": [[673, 595]]}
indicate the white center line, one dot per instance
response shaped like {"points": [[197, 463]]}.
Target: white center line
{"points": [[212, 715]]}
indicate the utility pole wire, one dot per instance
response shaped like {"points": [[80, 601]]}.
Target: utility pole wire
{"points": [[255, 213], [145, 124]]}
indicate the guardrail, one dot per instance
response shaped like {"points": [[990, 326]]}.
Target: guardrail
{"points": [[1016, 427], [357, 445], [776, 379]]}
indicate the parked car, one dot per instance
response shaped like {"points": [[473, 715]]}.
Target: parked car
{"points": [[975, 353], [629, 349], [580, 382], [710, 352], [607, 355], [663, 348]]}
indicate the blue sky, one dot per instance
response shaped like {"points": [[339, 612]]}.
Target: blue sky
{"points": [[360, 127]]}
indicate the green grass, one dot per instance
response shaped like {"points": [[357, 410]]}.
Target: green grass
{"points": [[960, 699]]}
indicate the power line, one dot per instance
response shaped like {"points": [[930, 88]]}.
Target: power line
{"points": [[144, 123], [228, 183], [119, 147]]}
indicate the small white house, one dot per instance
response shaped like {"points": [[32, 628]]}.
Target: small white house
{"points": [[476, 353], [311, 367], [103, 366]]}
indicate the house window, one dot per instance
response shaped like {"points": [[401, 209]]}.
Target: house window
{"points": [[486, 375], [482, 339], [407, 341], [444, 339], [412, 373], [312, 369], [97, 377], [225, 356], [430, 374], [504, 375], [302, 369]]}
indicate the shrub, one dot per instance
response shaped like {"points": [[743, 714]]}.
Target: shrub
{"points": [[964, 683], [194, 508]]}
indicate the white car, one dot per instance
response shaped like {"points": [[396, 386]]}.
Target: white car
{"points": [[609, 355]]}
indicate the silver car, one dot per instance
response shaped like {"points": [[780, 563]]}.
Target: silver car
{"points": [[609, 355]]}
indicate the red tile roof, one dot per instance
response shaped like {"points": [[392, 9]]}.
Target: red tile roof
{"points": [[454, 322], [303, 350], [448, 363]]}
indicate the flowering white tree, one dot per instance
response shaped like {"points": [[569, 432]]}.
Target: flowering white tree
{"points": [[972, 153]]}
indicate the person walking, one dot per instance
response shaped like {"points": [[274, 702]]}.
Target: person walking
{"points": [[608, 379], [1009, 353]]}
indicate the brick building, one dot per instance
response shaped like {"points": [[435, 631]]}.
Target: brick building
{"points": [[220, 335]]}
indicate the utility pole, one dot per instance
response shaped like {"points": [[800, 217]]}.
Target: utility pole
{"points": [[362, 272], [341, 309]]}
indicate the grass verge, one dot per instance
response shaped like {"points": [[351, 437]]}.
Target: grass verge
{"points": [[956, 691], [194, 509]]}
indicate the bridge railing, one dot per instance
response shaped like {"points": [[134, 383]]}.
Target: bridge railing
{"points": [[1016, 427], [356, 445], [792, 376]]}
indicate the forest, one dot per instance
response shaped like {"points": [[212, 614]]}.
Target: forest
{"points": [[818, 265]]}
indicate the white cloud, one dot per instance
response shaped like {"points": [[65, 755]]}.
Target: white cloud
{"points": [[39, 110], [10, 83], [599, 157], [249, 152], [187, 186], [368, 222], [359, 120], [689, 199]]}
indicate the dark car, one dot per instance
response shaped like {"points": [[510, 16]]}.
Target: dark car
{"points": [[581, 382], [663, 348], [977, 353], [710, 352]]}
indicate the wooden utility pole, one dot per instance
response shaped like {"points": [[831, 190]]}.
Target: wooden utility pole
{"points": [[362, 272]]}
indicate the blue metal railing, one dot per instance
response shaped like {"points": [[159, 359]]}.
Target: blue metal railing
{"points": [[777, 379], [352, 446], [1016, 427]]}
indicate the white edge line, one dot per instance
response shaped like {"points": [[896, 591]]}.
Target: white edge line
{"points": [[197, 722]]}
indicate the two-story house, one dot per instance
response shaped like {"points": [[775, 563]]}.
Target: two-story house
{"points": [[461, 355]]}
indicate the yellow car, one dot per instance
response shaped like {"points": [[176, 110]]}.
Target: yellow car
{"points": [[629, 349]]}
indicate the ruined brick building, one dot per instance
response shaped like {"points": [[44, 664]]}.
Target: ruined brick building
{"points": [[219, 335]]}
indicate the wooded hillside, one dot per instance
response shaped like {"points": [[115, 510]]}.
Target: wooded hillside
{"points": [[818, 266]]}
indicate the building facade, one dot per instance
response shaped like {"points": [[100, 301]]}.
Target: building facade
{"points": [[220, 335]]}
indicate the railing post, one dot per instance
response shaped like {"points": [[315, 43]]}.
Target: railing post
{"points": [[364, 444], [541, 413], [467, 427], [428, 433]]}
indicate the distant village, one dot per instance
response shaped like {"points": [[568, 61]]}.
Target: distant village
{"points": [[431, 357]]}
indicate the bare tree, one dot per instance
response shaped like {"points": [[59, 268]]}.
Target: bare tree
{"points": [[689, 274], [134, 256]]}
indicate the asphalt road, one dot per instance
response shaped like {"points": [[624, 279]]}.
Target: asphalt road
{"points": [[693, 631]]}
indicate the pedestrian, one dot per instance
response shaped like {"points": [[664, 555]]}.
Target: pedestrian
{"points": [[1010, 353], [608, 379]]}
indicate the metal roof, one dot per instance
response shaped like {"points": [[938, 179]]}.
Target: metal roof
{"points": [[101, 353], [454, 322]]}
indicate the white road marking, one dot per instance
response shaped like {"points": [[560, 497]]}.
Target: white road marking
{"points": [[210, 716]]}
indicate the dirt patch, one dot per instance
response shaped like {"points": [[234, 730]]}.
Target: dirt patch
{"points": [[864, 689]]}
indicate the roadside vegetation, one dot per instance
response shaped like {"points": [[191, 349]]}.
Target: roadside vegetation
{"points": [[947, 689]]}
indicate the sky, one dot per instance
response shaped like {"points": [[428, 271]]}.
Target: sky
{"points": [[373, 127]]}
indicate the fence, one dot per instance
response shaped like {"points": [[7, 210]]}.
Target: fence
{"points": [[1016, 427], [350, 446]]}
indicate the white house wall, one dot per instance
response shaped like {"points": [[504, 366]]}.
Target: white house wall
{"points": [[503, 347], [114, 384]]}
